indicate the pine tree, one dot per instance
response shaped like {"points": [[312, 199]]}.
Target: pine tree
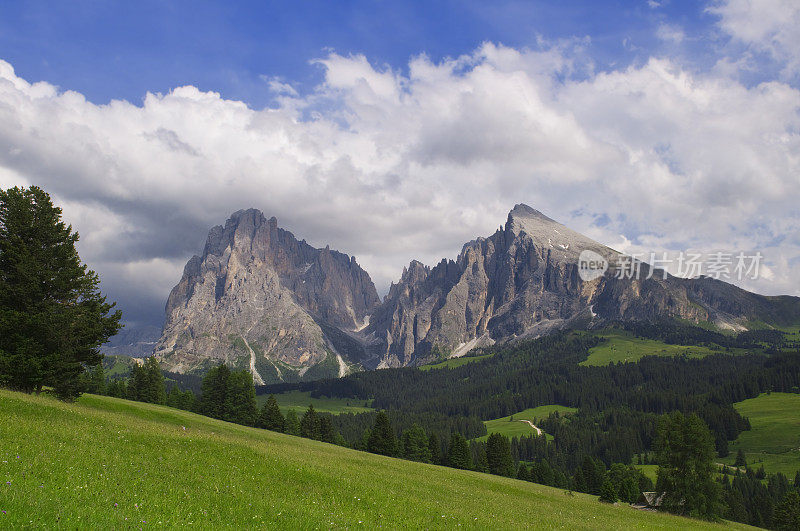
{"points": [[435, 449], [53, 318], [498, 455], [382, 439], [242, 399], [481, 463], [579, 481], [292, 426], [740, 461], [787, 513], [215, 400], [96, 380], [309, 425], [153, 390], [546, 473], [608, 493], [685, 452], [147, 382], [271, 417], [327, 433], [415, 444], [458, 453], [188, 401], [594, 472], [117, 388], [174, 397]]}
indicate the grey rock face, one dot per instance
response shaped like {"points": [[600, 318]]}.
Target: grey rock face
{"points": [[258, 298], [523, 281]]}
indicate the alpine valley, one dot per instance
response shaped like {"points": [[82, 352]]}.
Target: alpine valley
{"points": [[259, 299]]}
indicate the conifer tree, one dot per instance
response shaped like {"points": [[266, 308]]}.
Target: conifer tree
{"points": [[579, 481], [215, 400], [481, 463], [740, 461], [608, 493], [96, 380], [458, 452], [242, 399], [53, 317], [498, 455], [435, 449], [271, 417], [309, 425], [685, 452], [327, 433], [415, 444], [292, 426], [787, 513], [174, 397], [382, 439], [118, 388]]}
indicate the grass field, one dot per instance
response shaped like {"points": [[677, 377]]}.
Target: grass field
{"points": [[648, 470], [452, 363], [621, 346], [116, 366], [516, 428], [110, 463], [774, 440], [299, 402]]}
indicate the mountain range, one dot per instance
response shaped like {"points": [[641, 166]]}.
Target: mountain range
{"points": [[257, 298]]}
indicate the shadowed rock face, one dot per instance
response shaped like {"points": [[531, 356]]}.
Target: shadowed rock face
{"points": [[258, 298]]}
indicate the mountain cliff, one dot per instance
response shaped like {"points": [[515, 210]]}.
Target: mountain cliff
{"points": [[258, 298], [524, 281]]}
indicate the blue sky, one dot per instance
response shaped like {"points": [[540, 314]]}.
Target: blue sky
{"points": [[121, 50], [400, 130]]}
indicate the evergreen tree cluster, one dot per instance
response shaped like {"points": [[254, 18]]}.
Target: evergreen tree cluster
{"points": [[53, 317], [772, 504], [229, 395]]}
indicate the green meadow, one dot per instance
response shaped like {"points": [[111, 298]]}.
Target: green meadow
{"points": [[774, 440], [515, 425], [114, 464], [620, 346], [300, 400]]}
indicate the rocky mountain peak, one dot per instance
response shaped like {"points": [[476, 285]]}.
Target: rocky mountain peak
{"points": [[563, 243], [259, 298]]}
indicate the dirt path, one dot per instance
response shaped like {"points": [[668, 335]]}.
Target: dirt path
{"points": [[538, 430]]}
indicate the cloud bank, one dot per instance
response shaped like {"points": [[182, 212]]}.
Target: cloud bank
{"points": [[392, 166]]}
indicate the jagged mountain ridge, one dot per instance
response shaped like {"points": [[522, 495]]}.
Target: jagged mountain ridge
{"points": [[523, 281], [258, 296]]}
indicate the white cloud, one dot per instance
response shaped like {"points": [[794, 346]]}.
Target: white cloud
{"points": [[770, 26], [670, 33], [391, 167]]}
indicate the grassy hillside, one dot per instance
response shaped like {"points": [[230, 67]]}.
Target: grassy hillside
{"points": [[300, 400], [516, 426], [621, 346], [774, 440], [110, 463]]}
